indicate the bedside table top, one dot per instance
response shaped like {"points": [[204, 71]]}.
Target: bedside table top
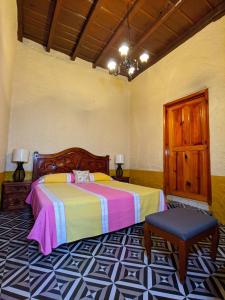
{"points": [[122, 177]]}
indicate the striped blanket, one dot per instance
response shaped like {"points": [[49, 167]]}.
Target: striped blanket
{"points": [[66, 212]]}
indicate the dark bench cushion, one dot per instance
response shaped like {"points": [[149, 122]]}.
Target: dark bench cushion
{"points": [[183, 222]]}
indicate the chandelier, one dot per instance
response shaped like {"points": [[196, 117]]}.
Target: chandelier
{"points": [[127, 63]]}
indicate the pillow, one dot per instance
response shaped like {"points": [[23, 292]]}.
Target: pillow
{"points": [[99, 177], [56, 178], [81, 176]]}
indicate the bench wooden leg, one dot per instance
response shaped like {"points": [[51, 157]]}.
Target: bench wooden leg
{"points": [[183, 256], [147, 240], [215, 241]]}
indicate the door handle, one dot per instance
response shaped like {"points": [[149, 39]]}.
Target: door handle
{"points": [[188, 183]]}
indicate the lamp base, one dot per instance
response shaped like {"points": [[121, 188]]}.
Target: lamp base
{"points": [[119, 171], [19, 173]]}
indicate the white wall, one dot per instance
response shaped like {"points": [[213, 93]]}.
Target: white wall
{"points": [[197, 64], [58, 103], [8, 29]]}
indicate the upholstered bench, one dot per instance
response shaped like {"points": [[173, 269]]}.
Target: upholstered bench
{"points": [[182, 227]]}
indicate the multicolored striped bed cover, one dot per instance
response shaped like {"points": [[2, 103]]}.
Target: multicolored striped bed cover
{"points": [[66, 212]]}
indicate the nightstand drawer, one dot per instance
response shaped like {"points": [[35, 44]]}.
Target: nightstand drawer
{"points": [[15, 201], [16, 189], [14, 194]]}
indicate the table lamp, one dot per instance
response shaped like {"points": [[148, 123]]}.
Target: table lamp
{"points": [[119, 160], [19, 156]]}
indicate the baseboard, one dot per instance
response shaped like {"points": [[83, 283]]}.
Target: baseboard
{"points": [[190, 202]]}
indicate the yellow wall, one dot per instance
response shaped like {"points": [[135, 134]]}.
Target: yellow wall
{"points": [[8, 28], [147, 178], [218, 192], [197, 64], [58, 103]]}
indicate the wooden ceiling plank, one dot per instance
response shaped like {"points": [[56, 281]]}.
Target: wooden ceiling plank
{"points": [[90, 17], [117, 18], [74, 13], [186, 17], [53, 24], [28, 13], [213, 15], [156, 24], [164, 25], [208, 4], [102, 26], [69, 29], [20, 20], [64, 39], [133, 8], [35, 39], [98, 41]]}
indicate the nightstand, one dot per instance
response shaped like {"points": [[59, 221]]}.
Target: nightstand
{"points": [[122, 179], [14, 194]]}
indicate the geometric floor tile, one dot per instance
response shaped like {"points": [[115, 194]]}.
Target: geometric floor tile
{"points": [[110, 266]]}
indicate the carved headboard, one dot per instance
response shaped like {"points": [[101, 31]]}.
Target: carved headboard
{"points": [[68, 160]]}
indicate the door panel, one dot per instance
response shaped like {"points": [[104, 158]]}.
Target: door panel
{"points": [[203, 156], [180, 171], [191, 172], [176, 127], [186, 148], [172, 171], [186, 126]]}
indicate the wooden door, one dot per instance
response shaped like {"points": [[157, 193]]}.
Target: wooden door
{"points": [[186, 148]]}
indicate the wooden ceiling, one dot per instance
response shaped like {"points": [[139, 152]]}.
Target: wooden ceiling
{"points": [[93, 29]]}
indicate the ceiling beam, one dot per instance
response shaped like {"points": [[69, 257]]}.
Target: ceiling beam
{"points": [[208, 4], [133, 8], [91, 15], [162, 18], [212, 16], [53, 24], [20, 20]]}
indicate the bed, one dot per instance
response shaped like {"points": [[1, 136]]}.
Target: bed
{"points": [[65, 211]]}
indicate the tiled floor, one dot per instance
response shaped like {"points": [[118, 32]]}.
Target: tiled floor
{"points": [[112, 266]]}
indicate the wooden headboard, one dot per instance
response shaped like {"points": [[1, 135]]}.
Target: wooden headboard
{"points": [[68, 160]]}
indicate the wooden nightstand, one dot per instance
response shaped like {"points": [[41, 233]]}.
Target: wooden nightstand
{"points": [[122, 179], [14, 194]]}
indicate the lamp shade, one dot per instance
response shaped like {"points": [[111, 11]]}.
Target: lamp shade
{"points": [[119, 159], [20, 155]]}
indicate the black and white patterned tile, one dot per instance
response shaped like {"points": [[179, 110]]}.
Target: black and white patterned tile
{"points": [[111, 266]]}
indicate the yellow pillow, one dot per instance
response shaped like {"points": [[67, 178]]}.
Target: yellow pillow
{"points": [[56, 178], [99, 177]]}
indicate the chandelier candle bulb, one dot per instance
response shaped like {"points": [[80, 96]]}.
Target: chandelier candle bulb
{"points": [[112, 65], [144, 57], [124, 49], [131, 70]]}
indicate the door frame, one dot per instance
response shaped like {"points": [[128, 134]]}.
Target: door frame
{"points": [[191, 97]]}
